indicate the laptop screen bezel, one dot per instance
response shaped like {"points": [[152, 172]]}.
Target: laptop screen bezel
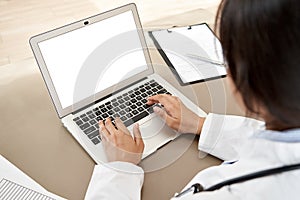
{"points": [[76, 25]]}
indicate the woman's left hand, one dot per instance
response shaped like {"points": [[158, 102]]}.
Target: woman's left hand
{"points": [[118, 143]]}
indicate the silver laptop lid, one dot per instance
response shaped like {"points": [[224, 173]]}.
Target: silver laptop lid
{"points": [[92, 58]]}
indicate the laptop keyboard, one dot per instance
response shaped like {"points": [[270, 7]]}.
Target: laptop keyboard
{"points": [[130, 107]]}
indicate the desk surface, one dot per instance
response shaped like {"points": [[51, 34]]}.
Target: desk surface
{"points": [[33, 138]]}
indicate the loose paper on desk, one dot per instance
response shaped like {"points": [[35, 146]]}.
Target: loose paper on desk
{"points": [[194, 52], [14, 184]]}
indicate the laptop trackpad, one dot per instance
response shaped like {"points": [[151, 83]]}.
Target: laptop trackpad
{"points": [[155, 133]]}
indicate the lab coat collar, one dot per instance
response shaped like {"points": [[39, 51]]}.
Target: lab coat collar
{"points": [[290, 136]]}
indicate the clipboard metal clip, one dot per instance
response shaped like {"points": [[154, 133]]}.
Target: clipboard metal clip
{"points": [[188, 28]]}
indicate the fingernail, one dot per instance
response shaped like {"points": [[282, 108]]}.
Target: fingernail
{"points": [[156, 109], [136, 125]]}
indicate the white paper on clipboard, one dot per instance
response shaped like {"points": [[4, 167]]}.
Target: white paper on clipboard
{"points": [[183, 45], [15, 184]]}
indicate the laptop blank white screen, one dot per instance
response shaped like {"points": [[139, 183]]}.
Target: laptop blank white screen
{"points": [[76, 57]]}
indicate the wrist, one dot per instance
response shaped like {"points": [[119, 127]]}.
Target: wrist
{"points": [[200, 125]]}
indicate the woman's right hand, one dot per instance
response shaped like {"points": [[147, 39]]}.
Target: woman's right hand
{"points": [[176, 115]]}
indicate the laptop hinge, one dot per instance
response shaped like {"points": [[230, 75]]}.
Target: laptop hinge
{"points": [[107, 96]]}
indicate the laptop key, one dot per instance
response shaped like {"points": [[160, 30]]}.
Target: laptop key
{"points": [[103, 110], [92, 122], [133, 106], [79, 122], [137, 93], [159, 87], [136, 118], [110, 112], [84, 126], [83, 115], [116, 115], [133, 100], [116, 109], [99, 118], [163, 91], [123, 118], [134, 112], [75, 119], [122, 112], [89, 130], [85, 119], [153, 84], [93, 134], [109, 107], [96, 140], [115, 104], [92, 116], [121, 101], [148, 87], [149, 92], [104, 116]]}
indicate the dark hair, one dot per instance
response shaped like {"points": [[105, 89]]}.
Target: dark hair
{"points": [[261, 45]]}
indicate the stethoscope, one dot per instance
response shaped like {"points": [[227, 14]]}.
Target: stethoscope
{"points": [[197, 187]]}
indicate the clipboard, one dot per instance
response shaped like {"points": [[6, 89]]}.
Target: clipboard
{"points": [[193, 53]]}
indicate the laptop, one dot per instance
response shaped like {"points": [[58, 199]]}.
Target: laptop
{"points": [[100, 67]]}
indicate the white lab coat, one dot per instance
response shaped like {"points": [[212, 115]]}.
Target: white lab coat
{"points": [[229, 138]]}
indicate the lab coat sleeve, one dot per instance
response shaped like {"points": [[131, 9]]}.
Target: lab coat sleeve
{"points": [[223, 135], [115, 180]]}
